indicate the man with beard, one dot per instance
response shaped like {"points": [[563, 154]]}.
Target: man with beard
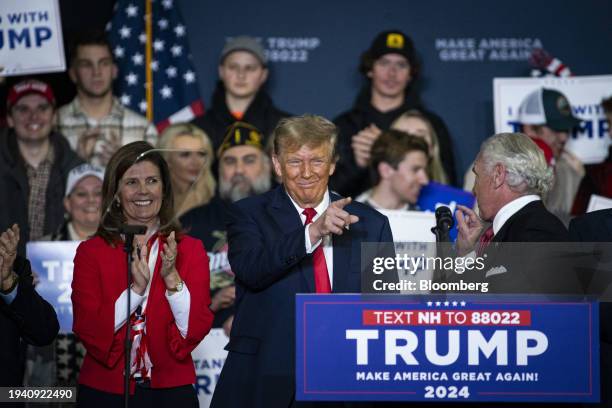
{"points": [[244, 171], [95, 123]]}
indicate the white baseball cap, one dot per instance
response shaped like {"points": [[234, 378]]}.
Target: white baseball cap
{"points": [[79, 173]]}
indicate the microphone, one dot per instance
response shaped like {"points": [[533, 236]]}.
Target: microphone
{"points": [[444, 222], [444, 218]]}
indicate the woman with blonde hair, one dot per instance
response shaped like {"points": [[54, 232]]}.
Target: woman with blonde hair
{"points": [[415, 123], [190, 164]]}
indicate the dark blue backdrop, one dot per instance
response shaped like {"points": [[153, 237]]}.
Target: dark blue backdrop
{"points": [[579, 33]]}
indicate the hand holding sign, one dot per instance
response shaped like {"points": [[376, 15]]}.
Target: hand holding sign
{"points": [[333, 221]]}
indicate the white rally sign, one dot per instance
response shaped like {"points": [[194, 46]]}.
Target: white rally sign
{"points": [[31, 37], [590, 140]]}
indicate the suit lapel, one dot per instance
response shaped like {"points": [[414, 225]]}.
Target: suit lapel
{"points": [[342, 247], [283, 212]]}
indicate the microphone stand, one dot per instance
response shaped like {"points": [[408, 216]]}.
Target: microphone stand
{"points": [[129, 231]]}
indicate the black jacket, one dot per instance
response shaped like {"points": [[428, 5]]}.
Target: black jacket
{"points": [[14, 187], [261, 113], [350, 179], [531, 250], [28, 319]]}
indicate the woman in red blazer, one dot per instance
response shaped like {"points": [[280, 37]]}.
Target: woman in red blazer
{"points": [[169, 295]]}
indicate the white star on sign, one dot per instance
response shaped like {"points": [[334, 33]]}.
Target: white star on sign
{"points": [[142, 37], [454, 303], [131, 10], [142, 106], [158, 45], [163, 24], [462, 303], [166, 92], [189, 77], [429, 303], [131, 78], [437, 303], [155, 65], [179, 30], [119, 52], [446, 303], [167, 4], [137, 59], [125, 32], [171, 71], [176, 50], [125, 99]]}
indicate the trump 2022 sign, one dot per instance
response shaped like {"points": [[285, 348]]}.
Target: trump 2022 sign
{"points": [[351, 348]]}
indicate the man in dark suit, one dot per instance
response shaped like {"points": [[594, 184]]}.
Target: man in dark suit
{"points": [[278, 247], [511, 176], [594, 227], [25, 317]]}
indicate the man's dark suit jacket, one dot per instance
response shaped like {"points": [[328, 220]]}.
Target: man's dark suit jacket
{"points": [[267, 252], [528, 266], [28, 319]]}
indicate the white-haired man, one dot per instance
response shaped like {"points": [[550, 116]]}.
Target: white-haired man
{"points": [[511, 177]]}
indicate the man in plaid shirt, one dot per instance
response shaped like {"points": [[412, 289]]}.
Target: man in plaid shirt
{"points": [[96, 123]]}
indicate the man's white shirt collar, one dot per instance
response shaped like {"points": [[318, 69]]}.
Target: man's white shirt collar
{"points": [[320, 208], [510, 209]]}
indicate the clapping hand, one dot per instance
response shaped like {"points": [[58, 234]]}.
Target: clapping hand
{"points": [[362, 144], [8, 252], [140, 268]]}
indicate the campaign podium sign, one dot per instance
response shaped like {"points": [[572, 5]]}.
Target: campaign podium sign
{"points": [[393, 348]]}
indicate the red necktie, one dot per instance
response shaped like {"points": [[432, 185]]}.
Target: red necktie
{"points": [[484, 240], [321, 276]]}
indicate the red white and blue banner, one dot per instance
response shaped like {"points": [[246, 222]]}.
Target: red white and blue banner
{"points": [[357, 348]]}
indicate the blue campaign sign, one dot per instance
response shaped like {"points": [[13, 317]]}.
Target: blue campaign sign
{"points": [[435, 194], [52, 262], [355, 348]]}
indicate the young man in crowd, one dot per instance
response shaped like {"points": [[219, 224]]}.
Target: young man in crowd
{"points": [[398, 167], [391, 67], [95, 123], [239, 95], [34, 163]]}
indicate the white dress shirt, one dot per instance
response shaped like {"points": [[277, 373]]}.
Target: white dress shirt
{"points": [[326, 241]]}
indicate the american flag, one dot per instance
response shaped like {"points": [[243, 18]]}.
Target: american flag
{"points": [[157, 45]]}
